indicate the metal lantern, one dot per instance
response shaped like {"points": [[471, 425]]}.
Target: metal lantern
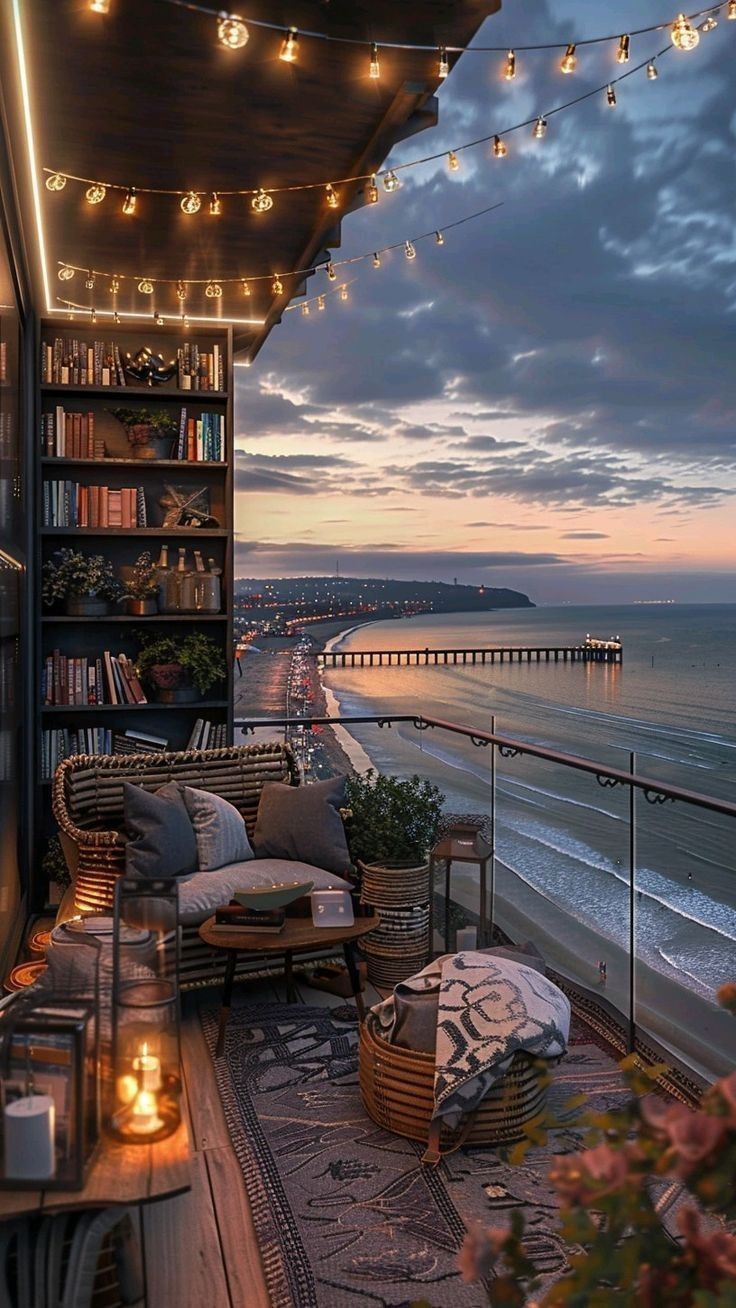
{"points": [[145, 1080]]}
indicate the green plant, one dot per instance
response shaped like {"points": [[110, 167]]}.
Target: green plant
{"points": [[608, 1212], [142, 424], [392, 819], [198, 654], [80, 575], [143, 584], [53, 864]]}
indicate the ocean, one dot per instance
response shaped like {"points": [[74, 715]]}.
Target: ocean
{"points": [[559, 833]]}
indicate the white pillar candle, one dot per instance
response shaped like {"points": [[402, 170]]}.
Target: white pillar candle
{"points": [[147, 1068], [29, 1138], [467, 938], [144, 1119]]}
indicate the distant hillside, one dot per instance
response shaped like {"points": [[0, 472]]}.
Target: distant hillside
{"points": [[438, 596]]}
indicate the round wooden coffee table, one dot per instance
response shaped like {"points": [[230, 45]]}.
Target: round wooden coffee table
{"points": [[299, 936]]}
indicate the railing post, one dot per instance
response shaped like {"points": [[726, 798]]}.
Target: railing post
{"points": [[493, 833], [632, 906]]}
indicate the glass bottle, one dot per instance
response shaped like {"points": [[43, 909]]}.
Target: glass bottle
{"points": [[162, 574], [186, 581]]}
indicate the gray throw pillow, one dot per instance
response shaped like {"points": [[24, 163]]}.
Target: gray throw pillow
{"points": [[161, 837], [302, 822], [219, 829]]}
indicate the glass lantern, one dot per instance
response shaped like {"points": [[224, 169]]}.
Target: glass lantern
{"points": [[145, 1087]]}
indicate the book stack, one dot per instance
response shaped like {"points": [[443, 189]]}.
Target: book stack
{"points": [[3, 362], [70, 435], [202, 439], [208, 735], [233, 917], [199, 371], [60, 743], [109, 679], [138, 742], [70, 504], [71, 362]]}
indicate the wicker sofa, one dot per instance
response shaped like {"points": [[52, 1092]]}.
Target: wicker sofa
{"points": [[87, 802]]}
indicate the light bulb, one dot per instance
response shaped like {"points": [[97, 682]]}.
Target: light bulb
{"points": [[305, 309], [332, 196], [232, 32], [343, 292], [66, 274], [190, 203], [262, 202], [623, 52], [159, 320], [509, 71], [409, 250], [443, 67], [376, 261], [499, 148], [213, 291], [90, 281], [330, 270], [96, 193], [277, 286], [145, 287], [181, 291], [569, 61], [391, 181], [99, 6], [610, 96], [93, 315], [290, 46], [684, 35], [540, 128], [372, 192], [731, 11], [375, 68], [453, 163], [245, 288], [439, 238], [320, 302], [215, 205], [709, 23], [185, 320], [116, 318], [652, 72], [130, 202], [56, 182], [114, 285]]}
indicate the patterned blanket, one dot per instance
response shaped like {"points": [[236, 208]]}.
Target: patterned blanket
{"points": [[488, 1009]]}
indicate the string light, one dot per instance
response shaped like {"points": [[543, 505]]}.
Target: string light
{"points": [[290, 46], [66, 274], [409, 250], [610, 96], [277, 286], [731, 11], [372, 192], [232, 32], [99, 6], [376, 260], [159, 317], [652, 72], [181, 291], [569, 61], [90, 281], [262, 202], [145, 287], [439, 238], [305, 309], [245, 288], [332, 196], [130, 202], [116, 317], [509, 71], [56, 182], [213, 291], [343, 292], [391, 181], [443, 67], [95, 194], [329, 269], [191, 203], [540, 128], [499, 148], [709, 23], [374, 70], [684, 35], [453, 163], [320, 302], [114, 285], [623, 54], [215, 205], [93, 315]]}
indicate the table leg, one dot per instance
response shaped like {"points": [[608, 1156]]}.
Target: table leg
{"points": [[351, 963], [291, 995], [483, 936], [448, 865], [227, 991]]}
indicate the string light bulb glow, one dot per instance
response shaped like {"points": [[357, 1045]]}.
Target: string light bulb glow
{"points": [[409, 250], [343, 292], [95, 194], [320, 302], [610, 96], [181, 291], [374, 69], [65, 274], [232, 32], [684, 35], [329, 269], [443, 67], [569, 61], [145, 287], [159, 317], [289, 47], [245, 288], [439, 238], [277, 286], [99, 6], [540, 128], [89, 281], [623, 54], [93, 315], [332, 196], [56, 182], [130, 202], [191, 203], [213, 291], [114, 285], [731, 11], [509, 71], [376, 260], [305, 309], [372, 191], [652, 71], [499, 148], [116, 318], [391, 181], [262, 202], [453, 163], [215, 205], [709, 23]]}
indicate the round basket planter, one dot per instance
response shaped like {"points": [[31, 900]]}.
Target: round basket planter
{"points": [[86, 606], [401, 895]]}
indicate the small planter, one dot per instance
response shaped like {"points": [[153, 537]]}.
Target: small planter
{"points": [[86, 606], [401, 894], [142, 608], [172, 684], [147, 445]]}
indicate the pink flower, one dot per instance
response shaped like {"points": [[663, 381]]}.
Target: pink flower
{"points": [[726, 996], [479, 1252], [693, 1138], [582, 1178], [715, 1253], [659, 1115], [726, 1088]]}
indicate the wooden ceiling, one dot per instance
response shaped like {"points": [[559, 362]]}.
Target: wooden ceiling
{"points": [[147, 96]]}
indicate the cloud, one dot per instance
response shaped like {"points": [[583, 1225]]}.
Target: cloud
{"points": [[585, 535]]}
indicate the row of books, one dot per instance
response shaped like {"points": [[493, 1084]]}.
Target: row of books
{"points": [[3, 362], [6, 436], [110, 679], [201, 440], [198, 370], [70, 435], [236, 917], [208, 735], [58, 743], [71, 362], [69, 504]]}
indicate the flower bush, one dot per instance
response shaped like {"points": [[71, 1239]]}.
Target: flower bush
{"points": [[608, 1210], [143, 583], [71, 573]]}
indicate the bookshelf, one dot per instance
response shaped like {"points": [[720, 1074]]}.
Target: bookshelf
{"points": [[102, 462]]}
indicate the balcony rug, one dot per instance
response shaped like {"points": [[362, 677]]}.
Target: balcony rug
{"points": [[345, 1214]]}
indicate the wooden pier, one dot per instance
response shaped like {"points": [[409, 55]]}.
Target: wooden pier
{"points": [[592, 650]]}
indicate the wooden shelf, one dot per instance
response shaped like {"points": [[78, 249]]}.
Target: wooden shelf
{"points": [[134, 708], [149, 464], [185, 533], [148, 617], [134, 392]]}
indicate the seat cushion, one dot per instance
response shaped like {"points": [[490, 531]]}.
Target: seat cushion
{"points": [[303, 822], [219, 829], [202, 893]]}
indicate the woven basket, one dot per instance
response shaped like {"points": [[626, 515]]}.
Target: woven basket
{"points": [[397, 1089], [400, 945]]}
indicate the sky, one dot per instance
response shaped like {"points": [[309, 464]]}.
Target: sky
{"points": [[547, 401]]}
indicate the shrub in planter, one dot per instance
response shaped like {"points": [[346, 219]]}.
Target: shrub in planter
{"points": [[392, 819], [141, 588], [169, 663], [145, 425], [85, 583]]}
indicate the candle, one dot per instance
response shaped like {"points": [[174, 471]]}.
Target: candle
{"points": [[29, 1138], [466, 938], [144, 1119], [147, 1068]]}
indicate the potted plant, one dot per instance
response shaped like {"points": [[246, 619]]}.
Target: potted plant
{"points": [[180, 669], [85, 583], [146, 425], [141, 587], [392, 824]]}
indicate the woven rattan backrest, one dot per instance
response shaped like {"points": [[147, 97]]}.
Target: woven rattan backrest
{"points": [[92, 792]]}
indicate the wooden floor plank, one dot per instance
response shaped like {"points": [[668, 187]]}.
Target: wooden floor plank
{"points": [[184, 1267], [240, 1252]]}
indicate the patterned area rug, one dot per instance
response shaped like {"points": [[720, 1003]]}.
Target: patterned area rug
{"points": [[345, 1214]]}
